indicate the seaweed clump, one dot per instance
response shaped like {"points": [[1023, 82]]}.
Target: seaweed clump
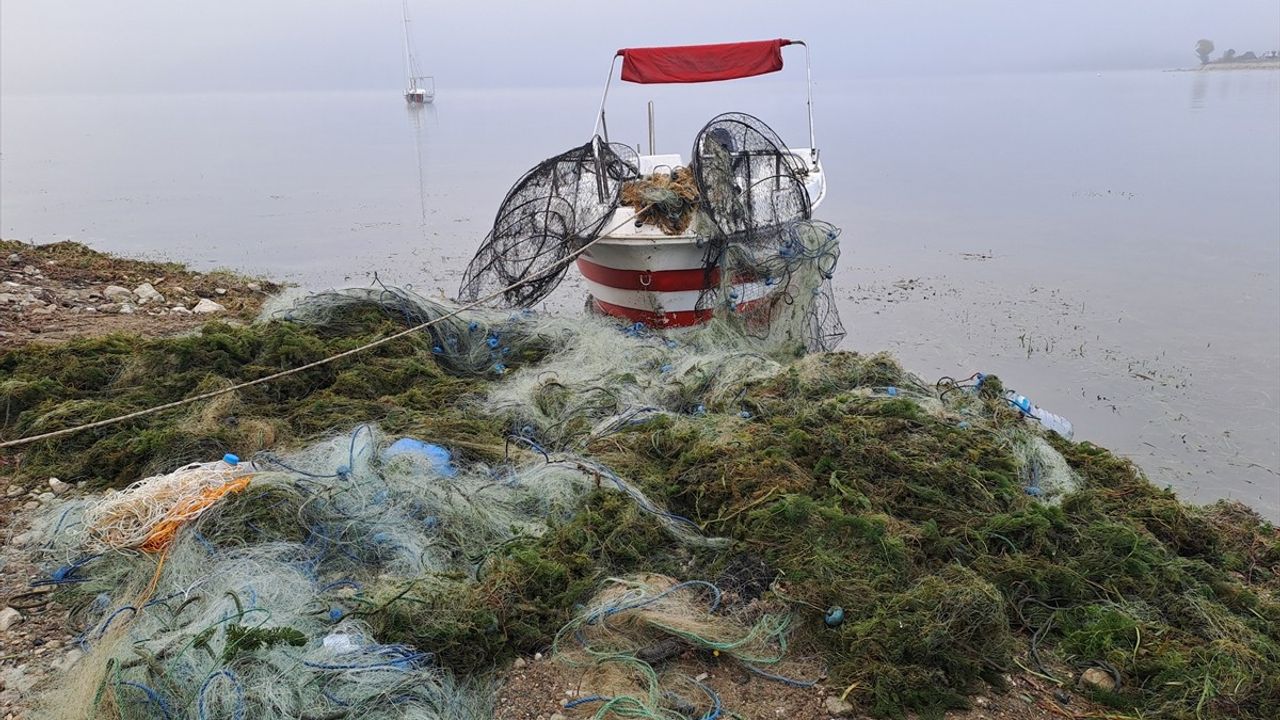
{"points": [[908, 512]]}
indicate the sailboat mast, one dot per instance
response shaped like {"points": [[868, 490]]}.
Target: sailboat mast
{"points": [[408, 54]]}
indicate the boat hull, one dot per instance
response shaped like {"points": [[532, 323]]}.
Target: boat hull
{"points": [[641, 275]]}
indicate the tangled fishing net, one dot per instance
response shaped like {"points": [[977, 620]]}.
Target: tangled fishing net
{"points": [[264, 601], [631, 629], [148, 514]]}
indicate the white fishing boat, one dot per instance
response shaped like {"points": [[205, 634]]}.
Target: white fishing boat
{"points": [[668, 241], [645, 273], [421, 88]]}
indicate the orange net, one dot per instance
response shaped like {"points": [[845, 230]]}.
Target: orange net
{"points": [[166, 530]]}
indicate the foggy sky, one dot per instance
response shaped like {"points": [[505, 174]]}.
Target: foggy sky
{"points": [[88, 46]]}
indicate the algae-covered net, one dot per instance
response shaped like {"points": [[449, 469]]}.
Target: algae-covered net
{"points": [[915, 540]]}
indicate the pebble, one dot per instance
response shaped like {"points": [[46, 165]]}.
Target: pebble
{"points": [[31, 505], [147, 293], [838, 707], [220, 291], [1098, 678], [253, 287], [206, 306], [117, 293], [14, 258], [519, 664], [69, 660], [57, 486], [8, 618], [127, 309], [14, 491]]}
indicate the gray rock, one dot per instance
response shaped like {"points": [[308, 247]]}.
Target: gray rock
{"points": [[8, 618], [31, 505], [30, 270], [206, 306], [127, 309], [253, 287], [220, 291], [147, 294], [115, 293], [8, 298], [18, 680], [14, 491], [57, 486], [14, 258], [21, 540], [66, 662], [179, 310], [519, 664], [838, 707]]}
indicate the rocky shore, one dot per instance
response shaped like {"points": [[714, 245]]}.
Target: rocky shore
{"points": [[59, 291]]}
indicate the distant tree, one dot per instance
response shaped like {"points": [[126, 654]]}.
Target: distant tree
{"points": [[1203, 48], [1249, 56], [1229, 55]]}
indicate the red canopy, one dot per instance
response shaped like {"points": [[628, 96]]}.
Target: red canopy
{"points": [[702, 63]]}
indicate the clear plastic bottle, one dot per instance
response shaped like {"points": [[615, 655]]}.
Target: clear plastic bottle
{"points": [[1048, 420], [1053, 422]]}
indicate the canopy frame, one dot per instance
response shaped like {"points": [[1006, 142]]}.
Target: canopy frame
{"points": [[601, 127]]}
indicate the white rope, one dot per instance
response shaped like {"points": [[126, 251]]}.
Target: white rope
{"points": [[324, 361]]}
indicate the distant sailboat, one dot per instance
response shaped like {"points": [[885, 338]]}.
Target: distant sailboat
{"points": [[422, 88]]}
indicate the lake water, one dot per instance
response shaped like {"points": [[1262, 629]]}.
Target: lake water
{"points": [[1108, 244]]}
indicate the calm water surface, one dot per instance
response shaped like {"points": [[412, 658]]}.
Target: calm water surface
{"points": [[1109, 245]]}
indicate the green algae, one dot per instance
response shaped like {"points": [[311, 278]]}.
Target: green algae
{"points": [[918, 526]]}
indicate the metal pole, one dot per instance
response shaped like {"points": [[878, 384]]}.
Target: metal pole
{"points": [[651, 142], [603, 98], [808, 75]]}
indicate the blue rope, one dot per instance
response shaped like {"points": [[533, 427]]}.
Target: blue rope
{"points": [[106, 625], [716, 708], [583, 701], [152, 697], [240, 709]]}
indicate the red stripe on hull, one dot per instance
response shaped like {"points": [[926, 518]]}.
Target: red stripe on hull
{"points": [[656, 281], [673, 319]]}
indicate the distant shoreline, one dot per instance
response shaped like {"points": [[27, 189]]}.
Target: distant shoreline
{"points": [[1268, 64]]}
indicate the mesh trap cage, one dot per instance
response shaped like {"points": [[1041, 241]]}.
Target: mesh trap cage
{"points": [[554, 209], [768, 265]]}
